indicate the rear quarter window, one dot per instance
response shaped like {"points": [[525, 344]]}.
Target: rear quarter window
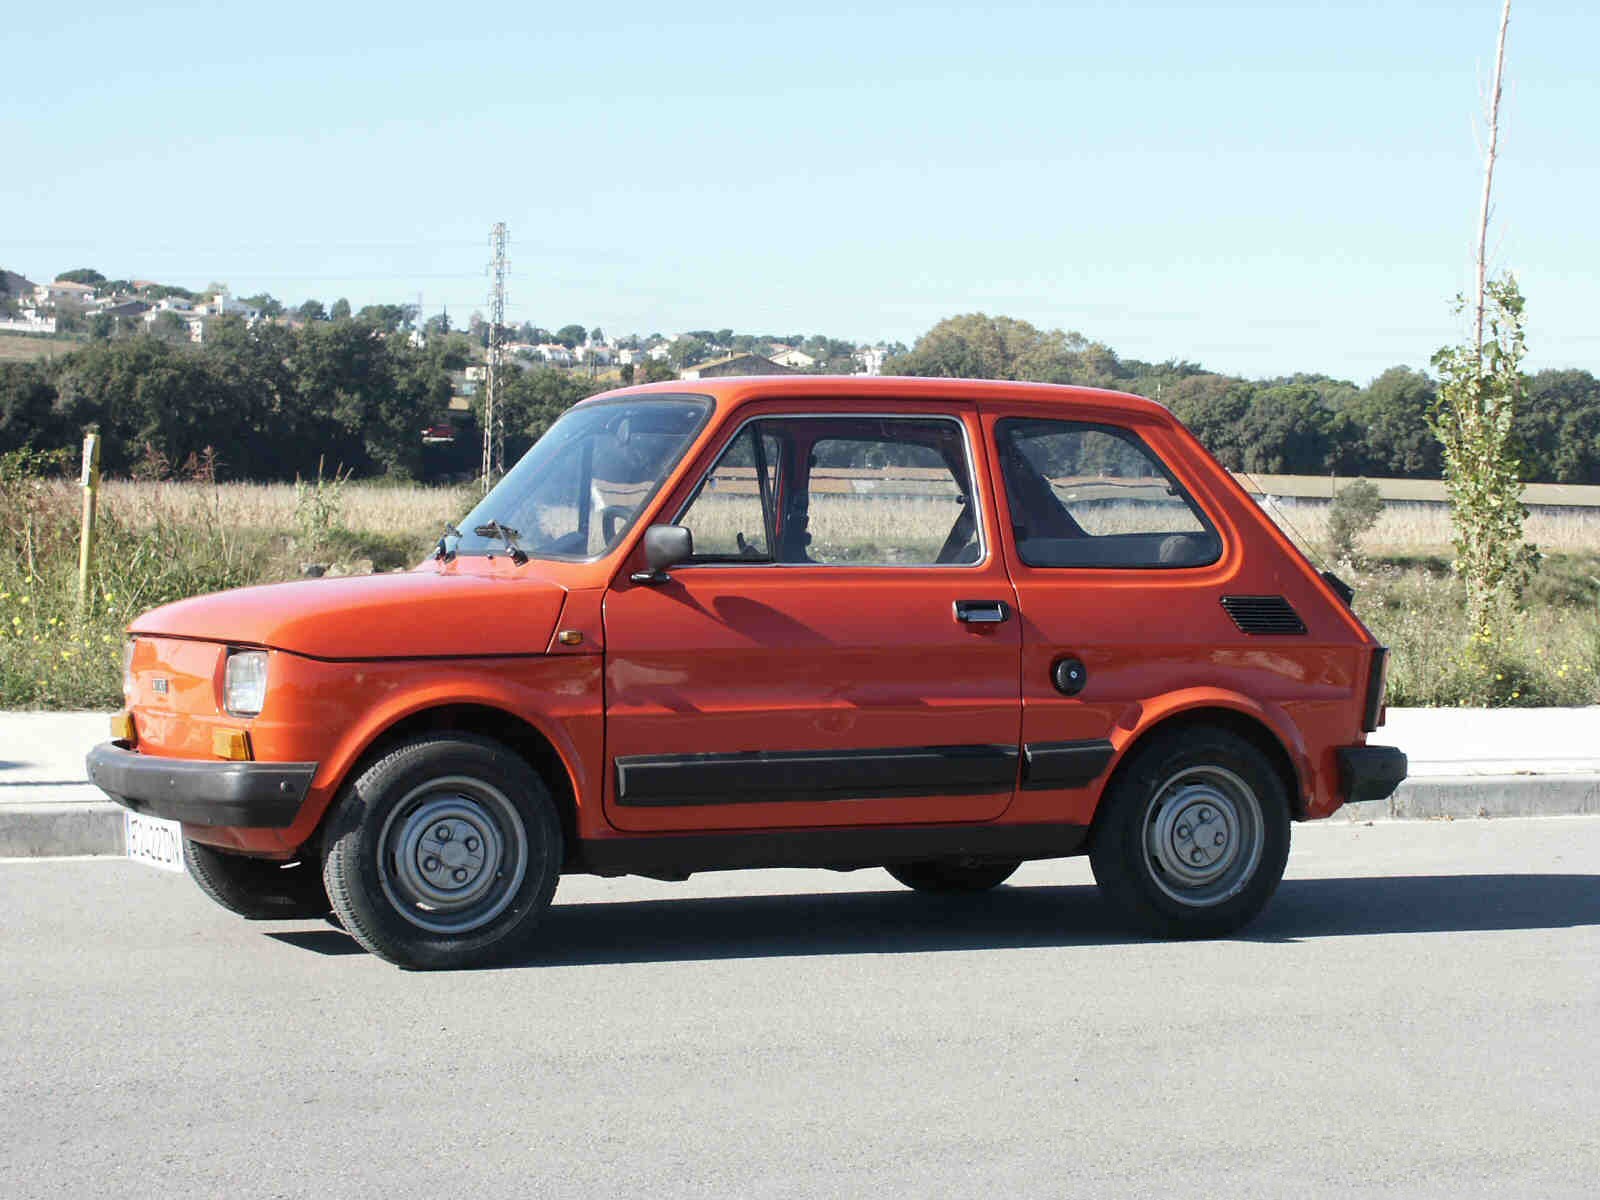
{"points": [[1090, 495]]}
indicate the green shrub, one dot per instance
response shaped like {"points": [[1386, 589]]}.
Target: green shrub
{"points": [[318, 508], [1353, 513]]}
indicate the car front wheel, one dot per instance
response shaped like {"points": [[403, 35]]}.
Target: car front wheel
{"points": [[443, 853], [1193, 835], [255, 888]]}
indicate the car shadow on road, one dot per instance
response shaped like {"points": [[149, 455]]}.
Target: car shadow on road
{"points": [[903, 922]]}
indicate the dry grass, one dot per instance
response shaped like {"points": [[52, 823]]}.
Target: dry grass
{"points": [[367, 508], [1403, 530], [166, 540], [1413, 529], [21, 347]]}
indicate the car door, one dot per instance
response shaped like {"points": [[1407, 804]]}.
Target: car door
{"points": [[1114, 562], [843, 647]]}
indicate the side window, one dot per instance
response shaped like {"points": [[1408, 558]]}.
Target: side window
{"points": [[731, 513], [891, 493], [839, 491], [1086, 495]]}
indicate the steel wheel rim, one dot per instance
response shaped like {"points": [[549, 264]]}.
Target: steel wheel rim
{"points": [[452, 855], [1204, 836]]}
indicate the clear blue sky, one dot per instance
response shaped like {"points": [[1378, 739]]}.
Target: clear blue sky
{"points": [[1263, 188]]}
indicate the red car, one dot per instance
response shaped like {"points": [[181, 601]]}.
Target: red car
{"points": [[937, 626]]}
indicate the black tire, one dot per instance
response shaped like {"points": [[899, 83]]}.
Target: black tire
{"points": [[954, 874], [443, 853], [256, 888], [1193, 835]]}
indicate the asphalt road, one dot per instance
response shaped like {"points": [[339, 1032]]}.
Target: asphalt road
{"points": [[1418, 1014]]}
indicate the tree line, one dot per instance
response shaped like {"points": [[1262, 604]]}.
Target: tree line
{"points": [[271, 400], [1294, 425]]}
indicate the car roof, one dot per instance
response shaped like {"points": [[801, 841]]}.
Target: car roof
{"points": [[733, 391]]}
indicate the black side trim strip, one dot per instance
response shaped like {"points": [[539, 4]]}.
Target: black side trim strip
{"points": [[1064, 764], [675, 856], [763, 776]]}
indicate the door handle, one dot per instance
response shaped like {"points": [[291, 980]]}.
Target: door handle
{"points": [[982, 612]]}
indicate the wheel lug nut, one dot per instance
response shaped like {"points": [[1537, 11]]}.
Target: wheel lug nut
{"points": [[1218, 840], [460, 876], [1205, 814], [472, 844], [430, 863], [1183, 832], [442, 833], [1197, 857]]}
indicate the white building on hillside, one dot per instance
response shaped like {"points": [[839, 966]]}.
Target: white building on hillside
{"points": [[798, 359], [871, 359], [60, 292]]}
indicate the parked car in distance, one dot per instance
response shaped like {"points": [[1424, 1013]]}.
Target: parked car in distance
{"points": [[937, 626]]}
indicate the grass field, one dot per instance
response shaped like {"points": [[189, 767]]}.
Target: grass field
{"points": [[164, 541], [18, 347]]}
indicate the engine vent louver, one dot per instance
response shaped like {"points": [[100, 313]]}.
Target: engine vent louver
{"points": [[1263, 614]]}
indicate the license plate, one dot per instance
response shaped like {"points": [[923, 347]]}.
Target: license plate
{"points": [[154, 841]]}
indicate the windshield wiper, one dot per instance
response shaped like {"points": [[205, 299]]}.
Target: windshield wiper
{"points": [[507, 535], [442, 554]]}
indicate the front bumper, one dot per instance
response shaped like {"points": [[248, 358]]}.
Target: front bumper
{"points": [[262, 795], [1370, 772]]}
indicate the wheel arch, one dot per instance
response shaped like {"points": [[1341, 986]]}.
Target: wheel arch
{"points": [[1247, 726], [516, 734]]}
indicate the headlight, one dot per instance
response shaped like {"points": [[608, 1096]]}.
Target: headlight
{"points": [[127, 672], [244, 683]]}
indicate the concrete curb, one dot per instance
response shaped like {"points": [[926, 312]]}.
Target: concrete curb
{"points": [[58, 830], [1454, 796]]}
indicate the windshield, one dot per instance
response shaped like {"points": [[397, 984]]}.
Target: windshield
{"points": [[582, 485]]}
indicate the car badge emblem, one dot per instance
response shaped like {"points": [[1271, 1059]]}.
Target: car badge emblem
{"points": [[159, 685]]}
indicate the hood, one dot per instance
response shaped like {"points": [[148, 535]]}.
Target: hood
{"points": [[415, 614]]}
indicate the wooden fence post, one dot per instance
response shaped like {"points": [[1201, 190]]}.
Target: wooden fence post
{"points": [[91, 493]]}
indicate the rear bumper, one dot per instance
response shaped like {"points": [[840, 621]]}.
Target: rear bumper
{"points": [[1370, 772], [238, 794]]}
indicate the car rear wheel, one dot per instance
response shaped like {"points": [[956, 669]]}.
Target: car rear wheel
{"points": [[255, 888], [443, 853], [954, 874], [1193, 835]]}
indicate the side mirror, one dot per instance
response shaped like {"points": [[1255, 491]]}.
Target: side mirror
{"points": [[664, 546]]}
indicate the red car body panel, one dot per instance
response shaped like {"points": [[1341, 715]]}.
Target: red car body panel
{"points": [[733, 658]]}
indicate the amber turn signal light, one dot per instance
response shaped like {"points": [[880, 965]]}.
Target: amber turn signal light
{"points": [[232, 744], [122, 729]]}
